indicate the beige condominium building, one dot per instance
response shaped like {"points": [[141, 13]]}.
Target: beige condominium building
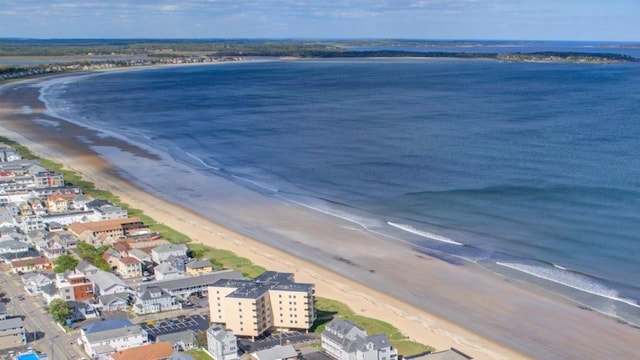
{"points": [[270, 301]]}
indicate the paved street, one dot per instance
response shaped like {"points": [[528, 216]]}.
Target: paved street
{"points": [[43, 333]]}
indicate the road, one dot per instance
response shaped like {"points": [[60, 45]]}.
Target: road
{"points": [[43, 333]]}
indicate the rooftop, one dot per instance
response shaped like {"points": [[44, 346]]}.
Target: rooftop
{"points": [[190, 282], [269, 280], [105, 225], [161, 350]]}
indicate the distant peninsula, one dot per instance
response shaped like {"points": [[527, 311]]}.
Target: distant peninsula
{"points": [[21, 58]]}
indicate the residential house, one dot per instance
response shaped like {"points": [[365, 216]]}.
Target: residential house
{"points": [[222, 344], [49, 293], [199, 267], [58, 203], [105, 337], [344, 340], [114, 302], [7, 215], [35, 282], [180, 341], [37, 206], [153, 299], [279, 302], [80, 201], [12, 333], [29, 265], [65, 218], [10, 246], [86, 268], [54, 226], [48, 178], [108, 231], [128, 267], [75, 286], [179, 262], [180, 356], [22, 167], [49, 248], [278, 352], [141, 255], [122, 248], [166, 271], [108, 212], [107, 283], [29, 223], [111, 256], [27, 255], [65, 238], [8, 153], [82, 311], [162, 252], [157, 351], [46, 191]]}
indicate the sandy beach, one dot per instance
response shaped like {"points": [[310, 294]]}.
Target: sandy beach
{"points": [[432, 301]]}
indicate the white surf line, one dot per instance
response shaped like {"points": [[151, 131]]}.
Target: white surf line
{"points": [[541, 276], [425, 234]]}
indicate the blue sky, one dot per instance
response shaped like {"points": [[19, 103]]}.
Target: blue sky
{"points": [[598, 20]]}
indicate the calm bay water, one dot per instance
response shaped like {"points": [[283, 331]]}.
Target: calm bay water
{"points": [[530, 169]]}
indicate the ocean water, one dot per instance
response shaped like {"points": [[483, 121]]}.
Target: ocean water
{"points": [[531, 170]]}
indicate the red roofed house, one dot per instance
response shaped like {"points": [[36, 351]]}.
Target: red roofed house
{"points": [[158, 351], [28, 265]]}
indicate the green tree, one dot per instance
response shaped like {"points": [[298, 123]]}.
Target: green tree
{"points": [[201, 339], [60, 311], [64, 263]]}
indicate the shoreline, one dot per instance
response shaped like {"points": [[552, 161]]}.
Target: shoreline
{"points": [[493, 295]]}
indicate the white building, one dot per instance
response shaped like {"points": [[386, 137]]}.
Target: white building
{"points": [[108, 283], [162, 252], [222, 343], [344, 340], [153, 299], [107, 336]]}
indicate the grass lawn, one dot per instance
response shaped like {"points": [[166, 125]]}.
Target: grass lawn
{"points": [[227, 260], [199, 355], [327, 309]]}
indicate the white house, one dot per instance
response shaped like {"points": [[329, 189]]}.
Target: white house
{"points": [[35, 282], [162, 252], [153, 299], [222, 343], [108, 283], [166, 271], [344, 340], [278, 352], [107, 336]]}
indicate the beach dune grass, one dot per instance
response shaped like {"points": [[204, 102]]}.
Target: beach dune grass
{"points": [[225, 259], [327, 309]]}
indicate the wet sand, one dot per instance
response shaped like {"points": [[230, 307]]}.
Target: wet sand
{"points": [[430, 300]]}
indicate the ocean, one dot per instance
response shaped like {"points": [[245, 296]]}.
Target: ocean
{"points": [[528, 169]]}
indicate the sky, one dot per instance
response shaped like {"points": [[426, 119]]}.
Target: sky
{"points": [[579, 20]]}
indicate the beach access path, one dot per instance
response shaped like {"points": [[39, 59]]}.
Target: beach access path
{"points": [[432, 301]]}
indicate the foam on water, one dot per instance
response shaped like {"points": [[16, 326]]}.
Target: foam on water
{"points": [[425, 234], [201, 161], [323, 207], [571, 279]]}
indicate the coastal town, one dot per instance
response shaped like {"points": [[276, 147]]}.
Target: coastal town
{"points": [[82, 279]]}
